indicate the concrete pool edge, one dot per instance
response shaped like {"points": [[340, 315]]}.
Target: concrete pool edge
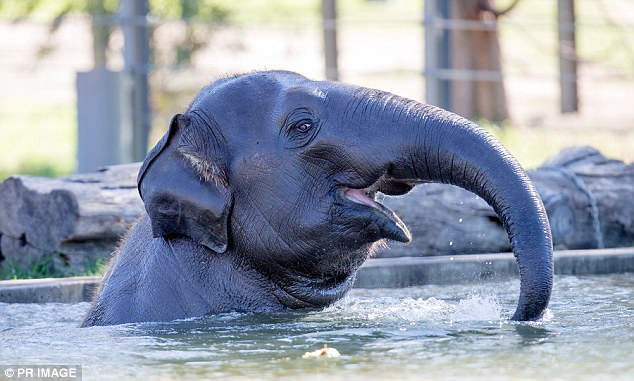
{"points": [[49, 290], [375, 273], [412, 271]]}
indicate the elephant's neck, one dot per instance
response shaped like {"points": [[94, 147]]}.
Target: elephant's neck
{"points": [[154, 279], [219, 282]]}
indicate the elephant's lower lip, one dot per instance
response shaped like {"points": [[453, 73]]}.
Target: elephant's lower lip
{"points": [[390, 224], [365, 198], [360, 196], [385, 185]]}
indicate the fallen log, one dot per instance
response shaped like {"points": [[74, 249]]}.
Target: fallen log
{"points": [[79, 218], [75, 219]]}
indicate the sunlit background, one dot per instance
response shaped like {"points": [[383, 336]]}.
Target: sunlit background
{"points": [[380, 44]]}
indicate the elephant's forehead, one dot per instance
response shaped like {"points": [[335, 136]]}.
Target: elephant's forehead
{"points": [[257, 86], [317, 92], [305, 92]]}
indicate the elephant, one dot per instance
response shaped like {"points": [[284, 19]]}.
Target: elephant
{"points": [[261, 197]]}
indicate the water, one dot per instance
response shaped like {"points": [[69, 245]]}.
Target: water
{"points": [[433, 332]]}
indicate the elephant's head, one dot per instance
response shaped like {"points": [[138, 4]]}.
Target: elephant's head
{"points": [[282, 173]]}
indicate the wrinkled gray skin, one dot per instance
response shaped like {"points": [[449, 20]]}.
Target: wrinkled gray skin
{"points": [[260, 197]]}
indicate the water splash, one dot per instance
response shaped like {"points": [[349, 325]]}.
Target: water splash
{"points": [[477, 307], [408, 309], [548, 316]]}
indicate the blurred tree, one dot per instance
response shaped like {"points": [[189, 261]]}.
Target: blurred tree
{"points": [[479, 50], [103, 12], [195, 13], [100, 29], [99, 10]]}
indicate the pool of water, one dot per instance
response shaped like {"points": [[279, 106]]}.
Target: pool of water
{"points": [[431, 332]]}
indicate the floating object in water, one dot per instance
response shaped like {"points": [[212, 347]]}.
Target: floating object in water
{"points": [[323, 352]]}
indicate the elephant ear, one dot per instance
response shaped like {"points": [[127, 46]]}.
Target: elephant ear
{"points": [[182, 195]]}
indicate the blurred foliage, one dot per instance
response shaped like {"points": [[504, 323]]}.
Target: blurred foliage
{"points": [[37, 140], [57, 12], [43, 267], [35, 169], [40, 139], [203, 10], [191, 11], [532, 146], [22, 9], [94, 267], [49, 266]]}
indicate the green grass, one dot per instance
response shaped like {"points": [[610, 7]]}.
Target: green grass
{"points": [[531, 146], [41, 268], [95, 267], [37, 140], [49, 266]]}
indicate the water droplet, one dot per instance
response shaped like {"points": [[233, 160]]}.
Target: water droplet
{"points": [[459, 219], [450, 243]]}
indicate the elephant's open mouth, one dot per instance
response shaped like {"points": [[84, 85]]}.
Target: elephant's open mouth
{"points": [[395, 228], [384, 184]]}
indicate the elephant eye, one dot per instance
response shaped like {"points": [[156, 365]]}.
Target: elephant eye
{"points": [[301, 129], [304, 126]]}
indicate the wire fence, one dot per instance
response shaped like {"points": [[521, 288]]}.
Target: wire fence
{"points": [[382, 48]]}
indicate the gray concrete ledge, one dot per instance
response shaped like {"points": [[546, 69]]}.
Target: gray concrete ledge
{"points": [[412, 271], [376, 273], [50, 290]]}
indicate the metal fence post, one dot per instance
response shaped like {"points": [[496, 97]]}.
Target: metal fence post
{"points": [[437, 53], [569, 101], [136, 56], [104, 126], [329, 18]]}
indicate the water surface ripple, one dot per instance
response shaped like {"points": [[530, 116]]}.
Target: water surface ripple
{"points": [[453, 332]]}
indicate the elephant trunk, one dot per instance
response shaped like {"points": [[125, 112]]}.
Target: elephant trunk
{"points": [[443, 147]]}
